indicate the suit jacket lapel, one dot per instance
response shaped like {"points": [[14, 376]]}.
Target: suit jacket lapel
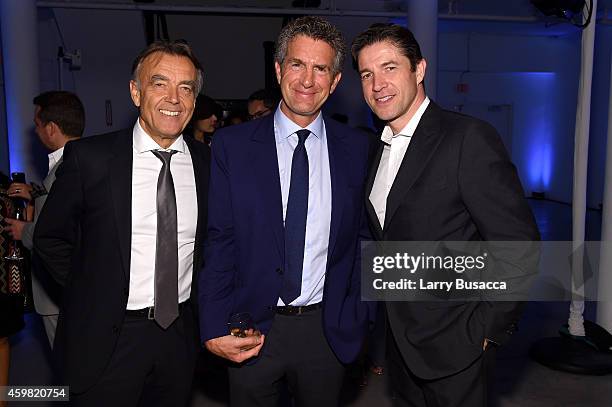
{"points": [[200, 171], [424, 142], [120, 185], [369, 185], [50, 178], [337, 166], [265, 166]]}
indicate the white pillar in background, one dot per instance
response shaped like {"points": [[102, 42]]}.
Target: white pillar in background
{"points": [[581, 159], [18, 21], [423, 22], [604, 288]]}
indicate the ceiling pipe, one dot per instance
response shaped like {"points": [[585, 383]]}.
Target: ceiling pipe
{"points": [[332, 11]]}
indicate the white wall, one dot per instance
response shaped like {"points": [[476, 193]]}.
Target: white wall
{"points": [[531, 68], [109, 41]]}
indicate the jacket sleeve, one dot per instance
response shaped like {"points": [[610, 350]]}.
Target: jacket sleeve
{"points": [[492, 192], [56, 230], [216, 281]]}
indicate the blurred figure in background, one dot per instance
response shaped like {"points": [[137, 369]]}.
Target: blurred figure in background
{"points": [[11, 306], [206, 119], [262, 102], [59, 118], [234, 117]]}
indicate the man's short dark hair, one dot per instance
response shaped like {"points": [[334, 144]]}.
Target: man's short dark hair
{"points": [[317, 29], [62, 108], [269, 97], [178, 48], [397, 35]]}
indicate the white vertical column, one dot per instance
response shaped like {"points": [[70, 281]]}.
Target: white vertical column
{"points": [[423, 22], [18, 21], [581, 159], [604, 288]]}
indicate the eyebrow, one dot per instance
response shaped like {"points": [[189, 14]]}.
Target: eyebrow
{"points": [[392, 62], [299, 61], [384, 64], [191, 83], [158, 77]]}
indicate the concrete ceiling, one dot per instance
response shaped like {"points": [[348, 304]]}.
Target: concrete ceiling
{"points": [[478, 7]]}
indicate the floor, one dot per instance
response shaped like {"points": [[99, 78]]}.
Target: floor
{"points": [[520, 382]]}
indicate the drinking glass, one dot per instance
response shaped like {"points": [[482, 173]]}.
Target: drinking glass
{"points": [[242, 325]]}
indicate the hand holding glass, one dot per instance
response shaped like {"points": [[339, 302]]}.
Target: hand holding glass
{"points": [[242, 325]]}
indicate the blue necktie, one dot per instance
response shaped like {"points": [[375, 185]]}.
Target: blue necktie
{"points": [[295, 221]]}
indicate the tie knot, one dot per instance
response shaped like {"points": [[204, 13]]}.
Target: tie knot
{"points": [[302, 135], [164, 156]]}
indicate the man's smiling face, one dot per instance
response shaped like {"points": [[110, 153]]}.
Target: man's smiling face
{"points": [[391, 86], [165, 94]]}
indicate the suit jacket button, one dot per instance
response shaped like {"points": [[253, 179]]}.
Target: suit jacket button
{"points": [[115, 329], [279, 270]]}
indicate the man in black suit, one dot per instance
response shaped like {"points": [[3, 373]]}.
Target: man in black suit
{"points": [[121, 229], [437, 176]]}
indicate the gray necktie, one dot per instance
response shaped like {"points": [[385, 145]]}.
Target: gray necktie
{"points": [[166, 254]]}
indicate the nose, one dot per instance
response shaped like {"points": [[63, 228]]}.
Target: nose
{"points": [[308, 78], [172, 95], [378, 83]]}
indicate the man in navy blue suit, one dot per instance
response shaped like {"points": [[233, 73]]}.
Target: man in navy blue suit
{"points": [[286, 218]]}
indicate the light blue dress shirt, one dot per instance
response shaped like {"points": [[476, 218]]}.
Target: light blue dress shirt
{"points": [[319, 199]]}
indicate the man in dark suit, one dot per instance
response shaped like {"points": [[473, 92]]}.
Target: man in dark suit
{"points": [[286, 215], [59, 117], [121, 229], [437, 176]]}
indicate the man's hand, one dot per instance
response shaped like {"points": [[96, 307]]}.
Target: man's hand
{"points": [[14, 227], [234, 348], [19, 190]]}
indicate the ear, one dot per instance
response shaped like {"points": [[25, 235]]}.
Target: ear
{"points": [[277, 68], [420, 71], [335, 82], [53, 129], [135, 93]]}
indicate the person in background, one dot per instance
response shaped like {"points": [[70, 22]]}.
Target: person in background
{"points": [[234, 117], [11, 305], [262, 103], [59, 117], [206, 119]]}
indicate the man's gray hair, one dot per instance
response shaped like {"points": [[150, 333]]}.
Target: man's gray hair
{"points": [[178, 48], [317, 29]]}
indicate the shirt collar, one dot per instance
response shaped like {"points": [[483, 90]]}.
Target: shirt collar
{"points": [[285, 127], [144, 143], [55, 157], [408, 131]]}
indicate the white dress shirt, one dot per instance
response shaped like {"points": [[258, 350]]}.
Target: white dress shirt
{"points": [[55, 157], [319, 200], [145, 172], [395, 146]]}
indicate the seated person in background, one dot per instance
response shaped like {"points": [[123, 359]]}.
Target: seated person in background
{"points": [[262, 102], [206, 119]]}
